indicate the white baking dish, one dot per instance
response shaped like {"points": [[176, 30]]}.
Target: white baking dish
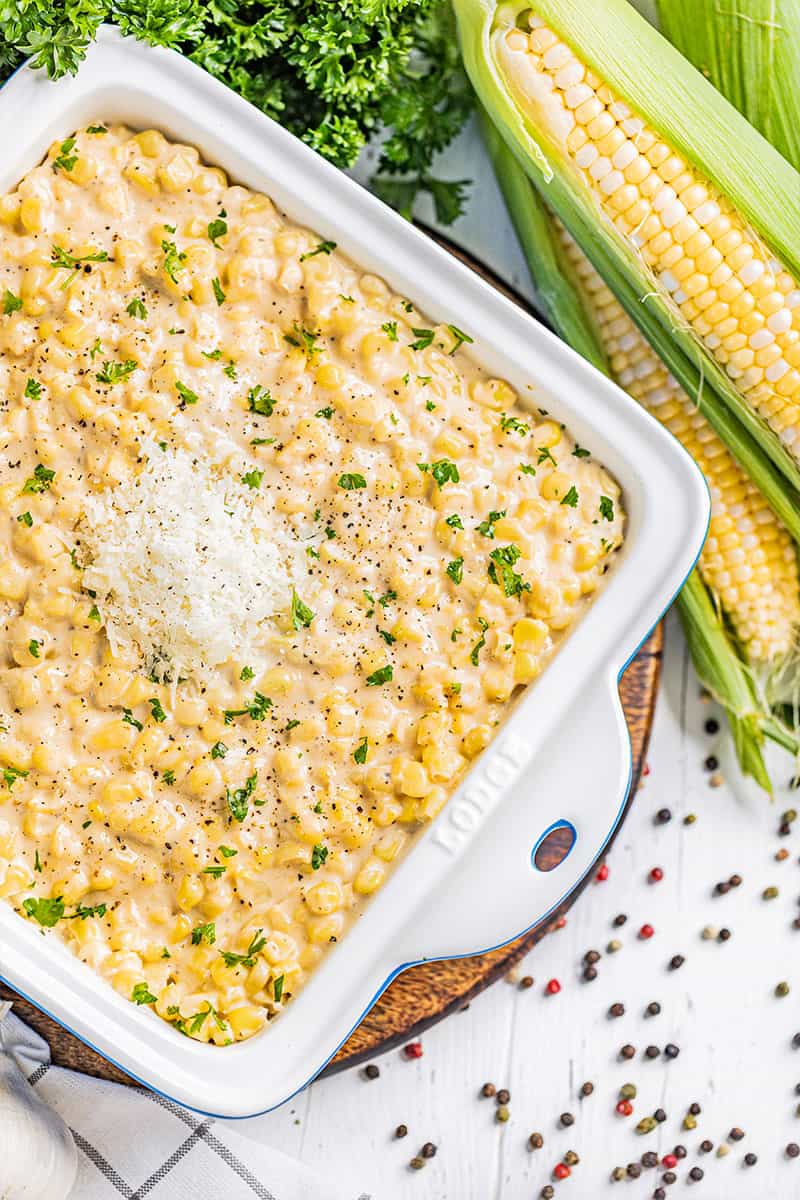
{"points": [[563, 753]]}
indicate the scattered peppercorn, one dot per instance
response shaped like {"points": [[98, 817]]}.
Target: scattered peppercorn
{"points": [[624, 1108], [413, 1050], [547, 1192], [706, 1146], [372, 1071], [649, 1159], [613, 946], [620, 919], [669, 1177], [633, 1170], [627, 1051], [571, 1158], [618, 1174], [724, 935], [689, 819], [401, 1131], [526, 982], [782, 988], [536, 1141], [722, 1150], [662, 816], [722, 888], [784, 829], [587, 1088], [561, 1171], [503, 1096], [750, 1159], [553, 987], [617, 1010], [656, 875], [567, 1119], [736, 1134], [417, 1163], [769, 893], [696, 1174], [671, 1050], [660, 1115], [659, 1194], [689, 1122], [792, 1150], [709, 932], [711, 763], [628, 1091], [646, 932], [796, 923], [669, 1160], [676, 962], [651, 1052], [429, 1150], [653, 1009], [488, 1089], [735, 880], [589, 973], [501, 1113], [695, 1109], [602, 873], [679, 1151], [646, 1125], [711, 726], [591, 956]]}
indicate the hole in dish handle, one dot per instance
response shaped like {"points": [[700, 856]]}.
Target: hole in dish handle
{"points": [[554, 846]]}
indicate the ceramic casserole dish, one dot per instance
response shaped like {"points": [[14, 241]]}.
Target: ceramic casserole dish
{"points": [[562, 755]]}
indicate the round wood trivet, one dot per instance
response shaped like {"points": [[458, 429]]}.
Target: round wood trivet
{"points": [[423, 995]]}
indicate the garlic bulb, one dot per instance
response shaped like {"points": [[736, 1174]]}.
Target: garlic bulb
{"points": [[38, 1158]]}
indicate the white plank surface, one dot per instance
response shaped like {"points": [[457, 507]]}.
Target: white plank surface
{"points": [[734, 1035]]}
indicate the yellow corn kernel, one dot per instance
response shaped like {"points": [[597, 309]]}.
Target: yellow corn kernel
{"points": [[556, 485], [190, 892], [370, 877], [410, 777], [246, 1020]]}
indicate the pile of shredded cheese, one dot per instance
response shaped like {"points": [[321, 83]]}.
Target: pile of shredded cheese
{"points": [[187, 564]]}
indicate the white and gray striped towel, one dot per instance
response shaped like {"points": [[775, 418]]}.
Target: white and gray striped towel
{"points": [[134, 1144]]}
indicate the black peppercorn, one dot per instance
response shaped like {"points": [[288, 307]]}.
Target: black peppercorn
{"points": [[669, 1177], [617, 1010], [567, 1119], [660, 1115], [659, 1194], [634, 1170], [536, 1141], [735, 880], [428, 1150], [488, 1089], [722, 888], [651, 1052], [503, 1096], [695, 1109], [587, 1088], [736, 1134], [619, 920], [706, 1146], [653, 1008], [662, 816], [671, 1050], [526, 982], [711, 763], [750, 1159], [591, 956], [711, 726], [589, 973], [650, 1159], [679, 1152], [696, 1174], [724, 935], [676, 961], [627, 1051], [792, 1150], [372, 1071], [547, 1192], [401, 1131]]}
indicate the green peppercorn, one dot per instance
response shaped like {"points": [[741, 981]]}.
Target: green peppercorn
{"points": [[782, 988], [417, 1163], [769, 893], [613, 946], [502, 1113], [689, 1122], [628, 1091], [618, 1174], [646, 1125]]}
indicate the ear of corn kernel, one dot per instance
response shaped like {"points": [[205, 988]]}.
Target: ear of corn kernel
{"points": [[749, 562], [751, 53], [740, 185]]}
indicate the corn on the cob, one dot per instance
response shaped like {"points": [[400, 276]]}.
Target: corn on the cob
{"points": [[726, 284], [748, 562]]}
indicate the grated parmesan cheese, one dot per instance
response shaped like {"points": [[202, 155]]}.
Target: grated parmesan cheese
{"points": [[188, 564]]}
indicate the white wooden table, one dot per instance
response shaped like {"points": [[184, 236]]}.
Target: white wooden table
{"points": [[734, 1034]]}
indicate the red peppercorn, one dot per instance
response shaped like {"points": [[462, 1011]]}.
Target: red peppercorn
{"points": [[624, 1108], [669, 1161], [656, 875], [646, 770], [602, 873], [561, 1171], [413, 1050], [646, 932], [553, 987], [560, 923]]}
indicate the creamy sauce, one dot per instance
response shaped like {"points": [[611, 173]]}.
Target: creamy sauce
{"points": [[198, 832]]}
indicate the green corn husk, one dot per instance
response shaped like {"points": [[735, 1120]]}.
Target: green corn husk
{"points": [[692, 116], [750, 51], [713, 648]]}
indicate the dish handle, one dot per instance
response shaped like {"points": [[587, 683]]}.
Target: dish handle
{"points": [[578, 780]]}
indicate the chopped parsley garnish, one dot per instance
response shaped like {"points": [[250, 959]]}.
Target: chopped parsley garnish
{"points": [[39, 482], [246, 673], [95, 349], [169, 777], [257, 709], [230, 371], [350, 482], [481, 642], [389, 638], [136, 308], [387, 598], [65, 159], [325, 413], [454, 521], [302, 616], [96, 129], [204, 933], [47, 912], [213, 355], [346, 299], [459, 336], [218, 227], [11, 303], [129, 719], [84, 911], [248, 959], [606, 508], [227, 852], [141, 994], [12, 774], [219, 750], [174, 260], [219, 295], [430, 406], [253, 479], [37, 864], [527, 469], [321, 248], [318, 856], [514, 425], [260, 401], [423, 337], [443, 471], [94, 613], [579, 452], [571, 498], [455, 570], [390, 329], [303, 339], [487, 527], [545, 456], [216, 871], [382, 675], [33, 389], [34, 648], [25, 519], [277, 987], [186, 394], [501, 571], [116, 372], [360, 752], [156, 711], [239, 799], [70, 262]]}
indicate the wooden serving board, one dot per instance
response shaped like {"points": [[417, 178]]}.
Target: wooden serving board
{"points": [[424, 994]]}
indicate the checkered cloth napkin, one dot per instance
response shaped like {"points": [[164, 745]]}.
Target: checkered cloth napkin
{"points": [[133, 1143]]}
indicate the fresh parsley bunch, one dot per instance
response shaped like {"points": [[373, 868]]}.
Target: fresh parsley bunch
{"points": [[334, 72]]}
